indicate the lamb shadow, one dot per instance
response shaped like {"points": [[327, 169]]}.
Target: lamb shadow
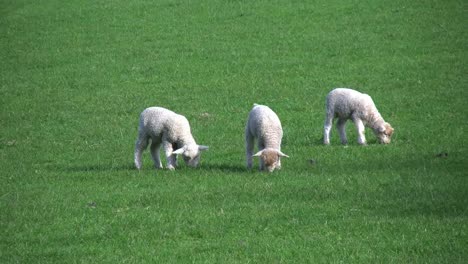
{"points": [[99, 168], [131, 167], [225, 168], [352, 141]]}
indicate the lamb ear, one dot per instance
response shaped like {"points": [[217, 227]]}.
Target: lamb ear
{"points": [[258, 154], [178, 151], [388, 129], [281, 154], [202, 148]]}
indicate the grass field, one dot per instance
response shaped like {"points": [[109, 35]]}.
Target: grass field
{"points": [[75, 75]]}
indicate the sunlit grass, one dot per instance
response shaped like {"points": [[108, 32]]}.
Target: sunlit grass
{"points": [[75, 75]]}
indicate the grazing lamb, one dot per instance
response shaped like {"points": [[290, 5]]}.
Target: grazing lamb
{"points": [[264, 126], [171, 130], [347, 104]]}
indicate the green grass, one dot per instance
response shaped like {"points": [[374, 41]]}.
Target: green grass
{"points": [[75, 75]]}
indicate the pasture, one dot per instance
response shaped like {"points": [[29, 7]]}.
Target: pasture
{"points": [[75, 75]]}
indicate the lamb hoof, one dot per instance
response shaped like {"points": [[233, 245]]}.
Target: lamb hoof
{"points": [[138, 166]]}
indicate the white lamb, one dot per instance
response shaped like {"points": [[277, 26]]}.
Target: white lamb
{"points": [[347, 104], [171, 130], [264, 126]]}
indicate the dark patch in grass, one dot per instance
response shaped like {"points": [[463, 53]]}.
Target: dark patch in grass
{"points": [[442, 155], [312, 162]]}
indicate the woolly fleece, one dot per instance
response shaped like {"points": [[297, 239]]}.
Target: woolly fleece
{"points": [[264, 126], [164, 127], [344, 104]]}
